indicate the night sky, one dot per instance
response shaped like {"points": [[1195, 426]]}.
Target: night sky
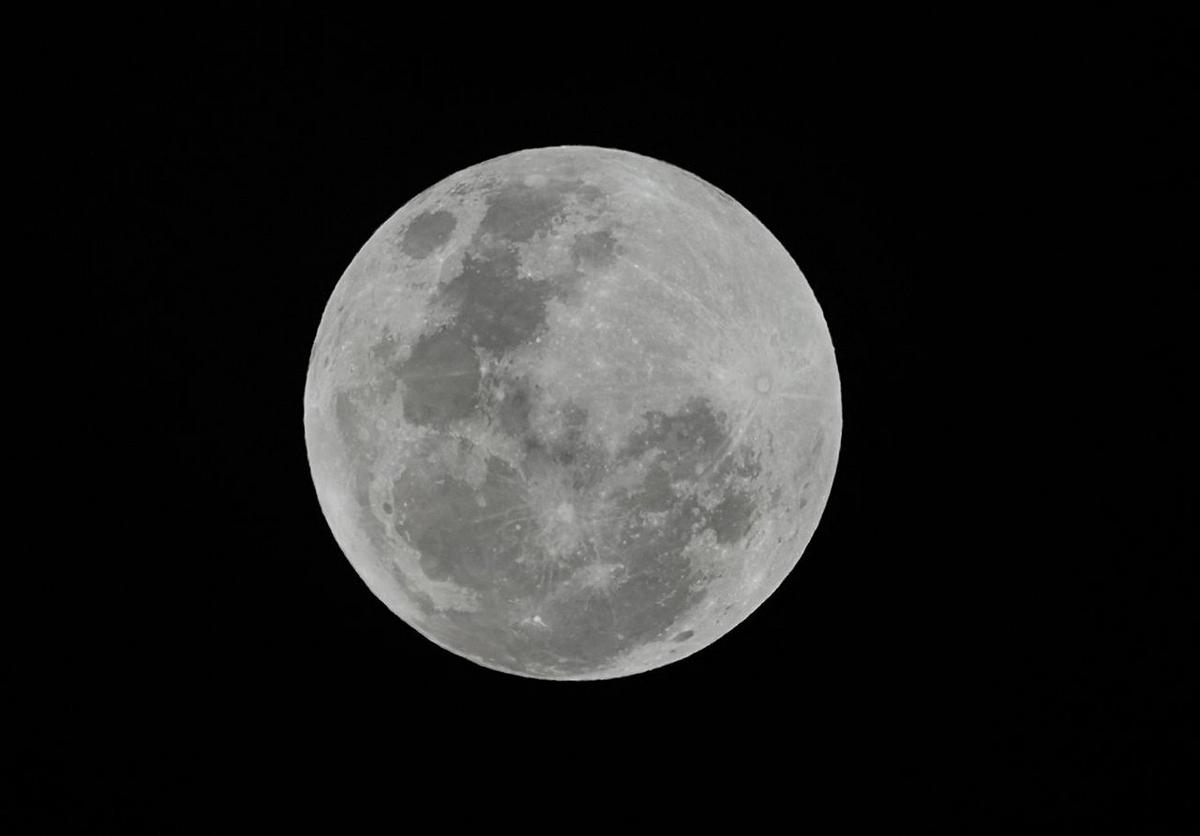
{"points": [[990, 618]]}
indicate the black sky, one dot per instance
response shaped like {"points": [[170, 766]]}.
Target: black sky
{"points": [[981, 610]]}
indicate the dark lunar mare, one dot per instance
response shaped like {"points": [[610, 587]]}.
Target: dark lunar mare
{"points": [[441, 380], [480, 546], [485, 538], [463, 533], [516, 211], [427, 232], [495, 310], [594, 249]]}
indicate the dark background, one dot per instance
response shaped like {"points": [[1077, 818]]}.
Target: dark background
{"points": [[991, 624]]}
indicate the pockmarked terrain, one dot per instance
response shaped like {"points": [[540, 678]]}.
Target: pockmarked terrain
{"points": [[572, 413]]}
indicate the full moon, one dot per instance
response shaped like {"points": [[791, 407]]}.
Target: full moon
{"points": [[572, 413]]}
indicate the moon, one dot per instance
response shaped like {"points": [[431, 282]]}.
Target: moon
{"points": [[572, 413]]}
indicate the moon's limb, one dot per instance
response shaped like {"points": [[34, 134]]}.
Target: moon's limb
{"points": [[572, 413]]}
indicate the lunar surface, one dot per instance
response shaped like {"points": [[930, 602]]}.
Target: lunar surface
{"points": [[572, 413]]}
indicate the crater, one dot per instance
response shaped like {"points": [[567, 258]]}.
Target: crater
{"points": [[684, 636]]}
